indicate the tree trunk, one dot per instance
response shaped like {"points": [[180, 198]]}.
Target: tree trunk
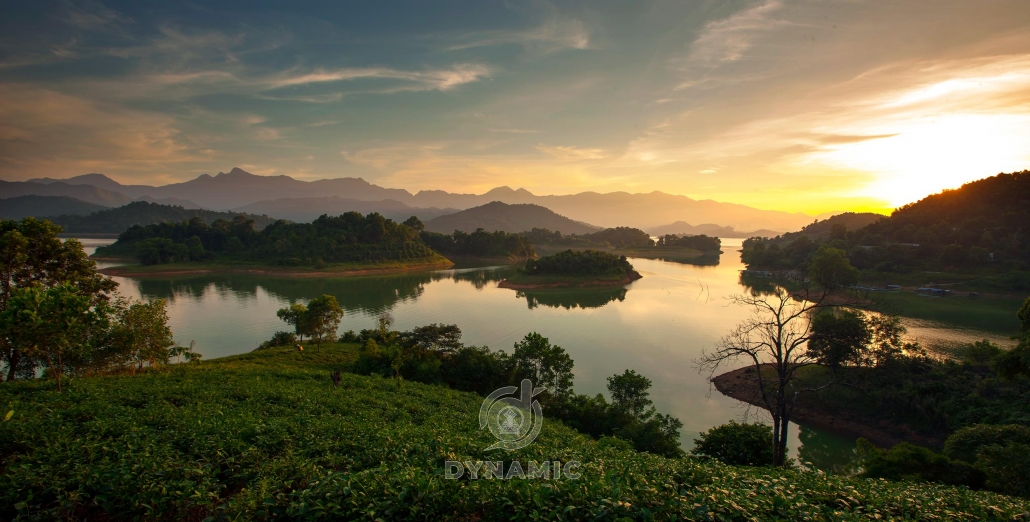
{"points": [[13, 362], [784, 427], [57, 373]]}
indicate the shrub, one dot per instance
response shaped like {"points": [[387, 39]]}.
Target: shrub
{"points": [[966, 443], [1007, 468], [908, 462], [738, 444], [279, 339]]}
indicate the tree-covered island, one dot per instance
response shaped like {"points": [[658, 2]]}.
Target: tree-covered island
{"points": [[573, 268]]}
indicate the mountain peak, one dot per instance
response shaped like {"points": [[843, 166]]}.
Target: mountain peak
{"points": [[236, 172]]}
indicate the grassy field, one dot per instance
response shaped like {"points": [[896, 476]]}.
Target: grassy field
{"points": [[266, 435], [995, 314]]}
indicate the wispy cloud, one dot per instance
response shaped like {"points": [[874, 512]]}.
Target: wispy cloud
{"points": [[572, 153], [553, 34], [433, 79], [729, 39]]}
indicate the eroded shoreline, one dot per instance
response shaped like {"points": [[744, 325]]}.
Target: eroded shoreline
{"points": [[742, 384]]}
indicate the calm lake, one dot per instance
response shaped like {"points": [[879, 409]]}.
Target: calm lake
{"points": [[657, 325]]}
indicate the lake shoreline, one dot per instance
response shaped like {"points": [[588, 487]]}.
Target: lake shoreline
{"points": [[138, 271], [742, 384], [591, 283]]}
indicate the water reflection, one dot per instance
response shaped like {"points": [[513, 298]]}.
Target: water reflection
{"points": [[826, 451], [569, 298]]}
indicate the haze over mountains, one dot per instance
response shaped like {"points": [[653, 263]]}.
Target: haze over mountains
{"points": [[681, 228], [520, 217], [241, 191]]}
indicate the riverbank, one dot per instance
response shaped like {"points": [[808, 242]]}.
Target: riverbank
{"points": [[341, 270], [742, 384], [526, 282]]}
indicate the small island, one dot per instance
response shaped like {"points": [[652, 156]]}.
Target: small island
{"points": [[348, 244], [573, 268]]}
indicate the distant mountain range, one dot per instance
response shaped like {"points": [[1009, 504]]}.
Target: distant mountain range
{"points": [[238, 189], [515, 218], [118, 220], [681, 228], [44, 206], [308, 209], [87, 193]]}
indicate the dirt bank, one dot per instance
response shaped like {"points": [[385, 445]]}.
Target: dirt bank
{"points": [[742, 385]]}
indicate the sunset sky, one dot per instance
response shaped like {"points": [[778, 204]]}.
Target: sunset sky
{"points": [[809, 106]]}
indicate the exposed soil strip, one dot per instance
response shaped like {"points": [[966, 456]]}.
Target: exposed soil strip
{"points": [[742, 384]]}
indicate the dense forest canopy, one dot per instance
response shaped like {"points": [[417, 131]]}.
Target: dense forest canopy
{"points": [[480, 244], [623, 237], [347, 238], [579, 263], [981, 226], [701, 242], [120, 219]]}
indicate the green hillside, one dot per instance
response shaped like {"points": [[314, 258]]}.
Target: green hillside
{"points": [[972, 237], [497, 216], [44, 206], [267, 435], [120, 219]]}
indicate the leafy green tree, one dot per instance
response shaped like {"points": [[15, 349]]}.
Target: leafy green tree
{"points": [[888, 344], [295, 315], [52, 324], [737, 444], [432, 337], [839, 338], [323, 318], [545, 365], [415, 223], [31, 253], [831, 269], [1016, 361], [1024, 317], [142, 333], [630, 394]]}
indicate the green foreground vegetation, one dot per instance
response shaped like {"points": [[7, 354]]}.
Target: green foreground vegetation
{"points": [[268, 435]]}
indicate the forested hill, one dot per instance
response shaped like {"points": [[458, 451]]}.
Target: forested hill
{"points": [[120, 219], [821, 229], [345, 239], [982, 226], [993, 213], [497, 216], [44, 206]]}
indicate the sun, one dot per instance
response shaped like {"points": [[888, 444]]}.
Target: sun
{"points": [[925, 155]]}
